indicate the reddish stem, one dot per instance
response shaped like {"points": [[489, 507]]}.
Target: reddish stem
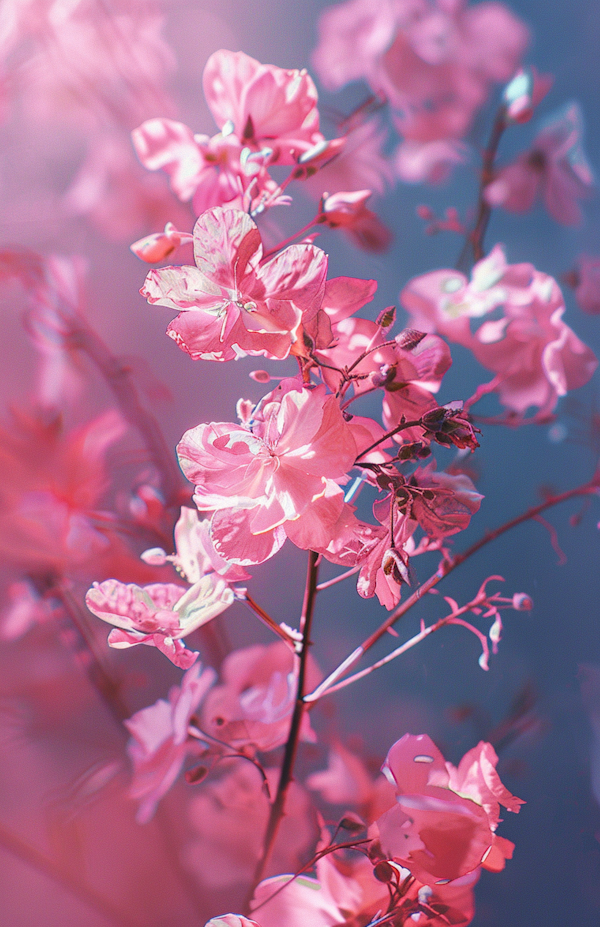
{"points": [[445, 567]]}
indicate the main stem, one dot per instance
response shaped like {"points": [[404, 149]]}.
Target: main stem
{"points": [[291, 748], [484, 210]]}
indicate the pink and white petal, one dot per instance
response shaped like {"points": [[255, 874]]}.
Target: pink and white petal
{"points": [[232, 538], [227, 245], [170, 145]]}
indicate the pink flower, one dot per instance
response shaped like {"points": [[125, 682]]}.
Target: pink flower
{"points": [[210, 171], [554, 170], [535, 356], [253, 706], [160, 614], [159, 740], [348, 893], [430, 162], [444, 822], [195, 555], [231, 304], [276, 478], [434, 62], [267, 105]]}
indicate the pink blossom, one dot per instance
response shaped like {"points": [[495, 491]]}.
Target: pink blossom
{"points": [[554, 170], [359, 165], [444, 822], [267, 105], [159, 740], [217, 171], [195, 554], [348, 892], [434, 62], [536, 357], [430, 162], [274, 479], [231, 304], [160, 614], [524, 92], [252, 708]]}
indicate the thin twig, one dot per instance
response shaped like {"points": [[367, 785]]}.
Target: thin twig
{"points": [[445, 567]]}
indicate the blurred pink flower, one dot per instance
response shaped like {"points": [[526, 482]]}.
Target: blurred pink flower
{"points": [[274, 479], [554, 170], [231, 304], [349, 212], [159, 740], [429, 162], [535, 356], [433, 61], [252, 708], [444, 821], [160, 614]]}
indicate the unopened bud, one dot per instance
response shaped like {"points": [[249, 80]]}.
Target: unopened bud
{"points": [[522, 602]]}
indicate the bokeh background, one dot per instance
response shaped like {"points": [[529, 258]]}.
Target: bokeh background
{"points": [[545, 679]]}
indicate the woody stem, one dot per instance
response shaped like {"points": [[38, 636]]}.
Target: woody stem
{"points": [[291, 748]]}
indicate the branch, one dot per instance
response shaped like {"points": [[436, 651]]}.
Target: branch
{"points": [[445, 567]]}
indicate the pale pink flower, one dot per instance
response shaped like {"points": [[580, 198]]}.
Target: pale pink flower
{"points": [[429, 162], [252, 708], [434, 62], [266, 105], [230, 303], [554, 170], [160, 614], [159, 742], [275, 479], [194, 554], [348, 892], [536, 357], [444, 822]]}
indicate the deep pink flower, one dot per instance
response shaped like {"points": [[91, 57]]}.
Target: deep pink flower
{"points": [[231, 304], [159, 740], [444, 822], [554, 170], [536, 357], [274, 479], [266, 105], [159, 614]]}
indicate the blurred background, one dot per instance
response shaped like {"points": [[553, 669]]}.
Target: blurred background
{"points": [[70, 184]]}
